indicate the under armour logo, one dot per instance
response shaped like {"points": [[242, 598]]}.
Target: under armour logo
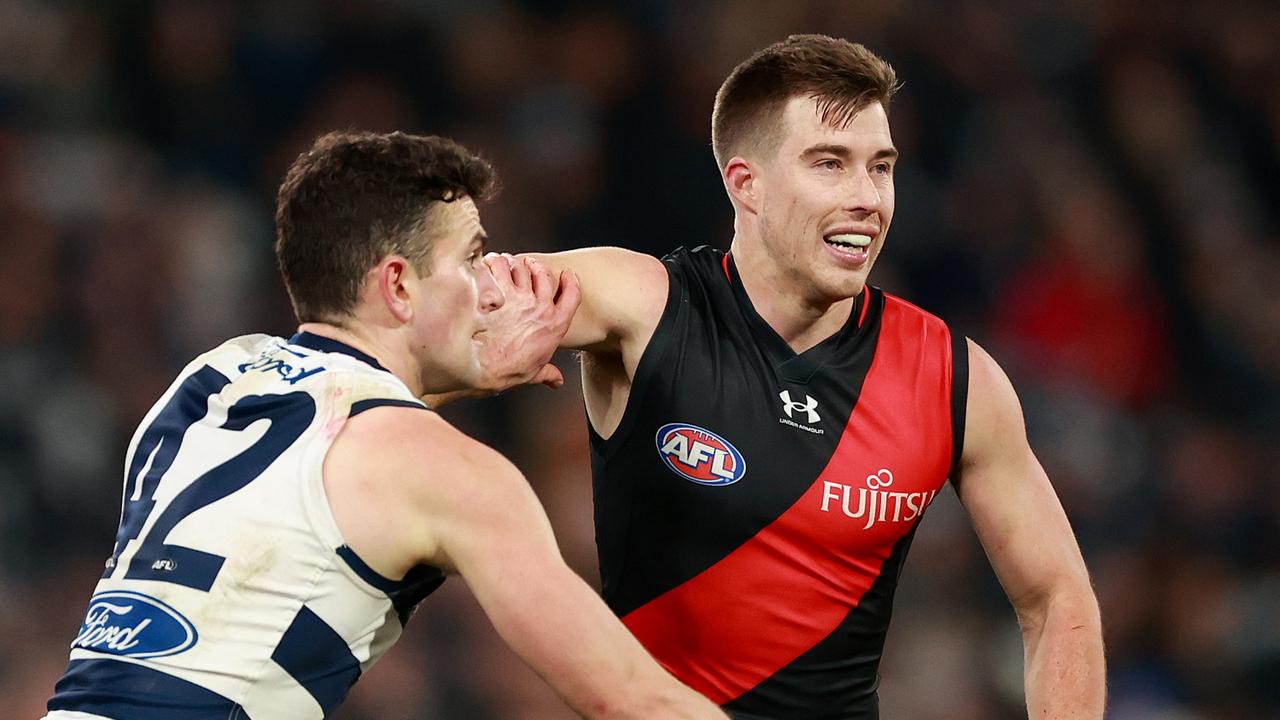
{"points": [[809, 406]]}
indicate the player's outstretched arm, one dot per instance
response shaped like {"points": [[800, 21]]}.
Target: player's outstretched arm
{"points": [[1025, 532], [623, 294], [432, 495]]}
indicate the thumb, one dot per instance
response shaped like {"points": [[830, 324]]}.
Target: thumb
{"points": [[570, 294], [550, 376]]}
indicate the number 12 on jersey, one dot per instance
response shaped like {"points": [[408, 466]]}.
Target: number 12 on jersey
{"points": [[289, 416]]}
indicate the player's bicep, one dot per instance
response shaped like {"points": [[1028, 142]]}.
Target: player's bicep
{"points": [[482, 513], [1008, 496], [372, 477], [407, 488], [623, 294], [493, 531]]}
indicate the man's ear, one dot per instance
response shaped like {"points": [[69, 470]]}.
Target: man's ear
{"points": [[740, 182], [390, 277]]}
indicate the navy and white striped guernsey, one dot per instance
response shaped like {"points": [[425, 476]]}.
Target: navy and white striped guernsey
{"points": [[230, 592]]}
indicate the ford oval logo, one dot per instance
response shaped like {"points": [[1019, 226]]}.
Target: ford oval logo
{"points": [[121, 622], [700, 455]]}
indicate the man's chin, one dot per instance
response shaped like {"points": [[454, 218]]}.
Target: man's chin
{"points": [[438, 380], [847, 286]]}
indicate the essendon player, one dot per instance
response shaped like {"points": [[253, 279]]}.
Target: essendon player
{"points": [[767, 429]]}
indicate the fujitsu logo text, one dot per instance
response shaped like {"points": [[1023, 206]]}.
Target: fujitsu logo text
{"points": [[876, 502], [809, 406]]}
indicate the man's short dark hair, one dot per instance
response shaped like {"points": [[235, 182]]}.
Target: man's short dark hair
{"points": [[356, 197], [843, 77]]}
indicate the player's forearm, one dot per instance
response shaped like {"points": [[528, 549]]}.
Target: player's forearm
{"points": [[1065, 667], [559, 625], [651, 694], [587, 331], [610, 676], [623, 296], [667, 698]]}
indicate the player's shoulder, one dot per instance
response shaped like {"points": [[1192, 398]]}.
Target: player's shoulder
{"points": [[408, 438], [898, 304], [614, 276], [416, 464], [241, 346], [222, 359], [701, 257], [904, 316], [700, 270], [395, 429], [606, 257]]}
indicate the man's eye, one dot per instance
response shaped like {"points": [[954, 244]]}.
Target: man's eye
{"points": [[882, 168], [829, 164]]}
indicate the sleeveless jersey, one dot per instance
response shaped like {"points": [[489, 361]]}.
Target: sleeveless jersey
{"points": [[754, 506], [230, 592]]}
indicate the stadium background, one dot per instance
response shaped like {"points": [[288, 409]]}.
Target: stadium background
{"points": [[1089, 189]]}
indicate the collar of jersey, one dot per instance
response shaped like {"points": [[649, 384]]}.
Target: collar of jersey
{"points": [[324, 344], [777, 347]]}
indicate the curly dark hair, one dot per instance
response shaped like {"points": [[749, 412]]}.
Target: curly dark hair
{"points": [[356, 197], [842, 76]]}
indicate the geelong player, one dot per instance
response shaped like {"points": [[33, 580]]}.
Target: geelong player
{"points": [[767, 429], [287, 503]]}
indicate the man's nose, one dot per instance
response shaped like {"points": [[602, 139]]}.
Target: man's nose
{"points": [[863, 193], [490, 295]]}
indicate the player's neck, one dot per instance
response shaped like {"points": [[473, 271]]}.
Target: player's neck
{"points": [[802, 322], [369, 342]]}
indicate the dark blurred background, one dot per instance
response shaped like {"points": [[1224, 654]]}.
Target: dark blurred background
{"points": [[1090, 189]]}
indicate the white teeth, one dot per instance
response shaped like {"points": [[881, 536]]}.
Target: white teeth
{"points": [[851, 239]]}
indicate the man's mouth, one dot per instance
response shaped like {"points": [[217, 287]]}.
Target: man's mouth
{"points": [[851, 243]]}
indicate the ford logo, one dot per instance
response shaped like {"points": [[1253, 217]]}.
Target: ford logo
{"points": [[121, 622]]}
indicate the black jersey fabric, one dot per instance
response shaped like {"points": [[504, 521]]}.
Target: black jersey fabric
{"points": [[754, 507]]}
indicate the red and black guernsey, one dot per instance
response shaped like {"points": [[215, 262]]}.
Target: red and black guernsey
{"points": [[755, 506]]}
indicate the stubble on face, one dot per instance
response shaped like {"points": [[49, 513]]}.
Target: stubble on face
{"points": [[448, 316], [822, 180]]}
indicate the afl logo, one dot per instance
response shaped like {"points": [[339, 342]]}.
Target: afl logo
{"points": [[699, 455]]}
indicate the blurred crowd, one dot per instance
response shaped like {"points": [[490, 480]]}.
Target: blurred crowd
{"points": [[1091, 190]]}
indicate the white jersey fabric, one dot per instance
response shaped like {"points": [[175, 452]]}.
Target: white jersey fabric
{"points": [[230, 592]]}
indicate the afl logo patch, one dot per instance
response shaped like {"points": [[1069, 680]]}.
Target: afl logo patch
{"points": [[699, 455]]}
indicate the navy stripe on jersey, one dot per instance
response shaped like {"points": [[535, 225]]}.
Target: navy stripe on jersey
{"points": [[366, 573], [155, 558], [159, 444], [318, 658], [405, 594], [361, 405], [828, 670], [416, 586], [116, 689], [324, 344]]}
